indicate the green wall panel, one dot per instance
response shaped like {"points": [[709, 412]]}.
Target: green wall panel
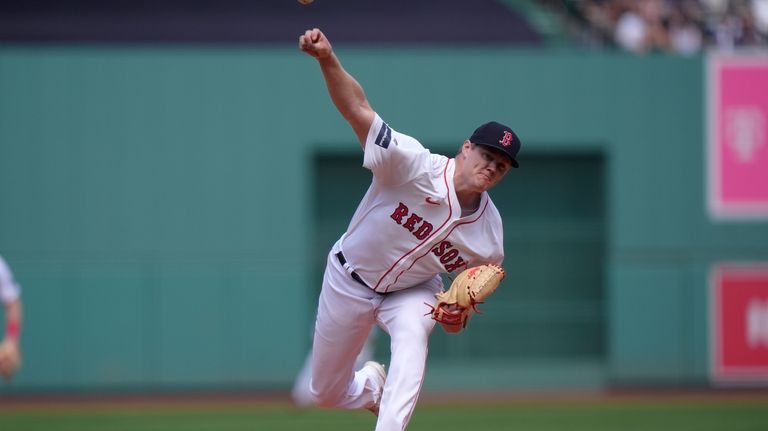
{"points": [[647, 323], [114, 324], [49, 334], [191, 317]]}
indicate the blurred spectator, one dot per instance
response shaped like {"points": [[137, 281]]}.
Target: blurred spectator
{"points": [[640, 27], [683, 27], [760, 14], [685, 36]]}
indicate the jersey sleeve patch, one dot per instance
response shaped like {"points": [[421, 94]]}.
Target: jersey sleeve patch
{"points": [[384, 137]]}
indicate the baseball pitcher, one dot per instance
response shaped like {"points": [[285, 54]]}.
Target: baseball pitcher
{"points": [[424, 214]]}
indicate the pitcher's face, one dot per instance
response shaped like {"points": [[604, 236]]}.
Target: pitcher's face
{"points": [[483, 168]]}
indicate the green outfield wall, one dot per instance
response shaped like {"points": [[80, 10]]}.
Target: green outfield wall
{"points": [[166, 209]]}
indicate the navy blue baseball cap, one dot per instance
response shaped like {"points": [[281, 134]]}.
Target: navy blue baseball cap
{"points": [[500, 137]]}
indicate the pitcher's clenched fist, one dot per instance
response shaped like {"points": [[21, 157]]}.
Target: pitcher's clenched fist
{"points": [[314, 43]]}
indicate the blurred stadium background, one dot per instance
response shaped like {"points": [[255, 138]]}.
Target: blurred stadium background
{"points": [[173, 173]]}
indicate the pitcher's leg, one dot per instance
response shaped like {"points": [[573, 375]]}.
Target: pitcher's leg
{"points": [[300, 393], [345, 317], [402, 315]]}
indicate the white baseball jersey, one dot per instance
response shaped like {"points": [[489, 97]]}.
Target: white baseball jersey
{"points": [[408, 227], [9, 290]]}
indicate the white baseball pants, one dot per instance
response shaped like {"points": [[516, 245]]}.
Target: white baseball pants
{"points": [[346, 313]]}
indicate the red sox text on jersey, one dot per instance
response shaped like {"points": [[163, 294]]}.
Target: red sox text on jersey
{"points": [[420, 228]]}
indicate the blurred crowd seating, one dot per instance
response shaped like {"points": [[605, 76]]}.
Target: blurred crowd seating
{"points": [[674, 26], [640, 26]]}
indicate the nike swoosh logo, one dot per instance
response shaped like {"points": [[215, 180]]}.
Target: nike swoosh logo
{"points": [[430, 201]]}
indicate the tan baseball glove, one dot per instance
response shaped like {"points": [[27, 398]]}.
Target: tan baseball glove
{"points": [[10, 358], [457, 304]]}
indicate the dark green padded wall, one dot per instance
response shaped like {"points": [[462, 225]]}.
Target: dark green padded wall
{"points": [[551, 305]]}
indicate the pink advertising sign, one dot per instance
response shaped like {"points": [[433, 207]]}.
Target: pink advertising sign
{"points": [[738, 136]]}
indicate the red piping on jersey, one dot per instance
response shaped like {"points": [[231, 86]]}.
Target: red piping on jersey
{"points": [[450, 213], [446, 237]]}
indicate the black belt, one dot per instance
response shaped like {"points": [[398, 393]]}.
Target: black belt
{"points": [[354, 275]]}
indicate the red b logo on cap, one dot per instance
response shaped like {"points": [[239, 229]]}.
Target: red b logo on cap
{"points": [[507, 139]]}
